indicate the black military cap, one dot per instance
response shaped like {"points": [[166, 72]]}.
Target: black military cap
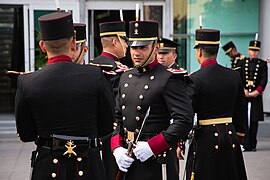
{"points": [[167, 45], [207, 37], [80, 30], [142, 33], [56, 26], [254, 45], [114, 28], [228, 47]]}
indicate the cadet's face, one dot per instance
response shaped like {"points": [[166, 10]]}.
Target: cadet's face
{"points": [[166, 58], [140, 53], [253, 53]]}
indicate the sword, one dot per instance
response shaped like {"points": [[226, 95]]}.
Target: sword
{"points": [[121, 175]]}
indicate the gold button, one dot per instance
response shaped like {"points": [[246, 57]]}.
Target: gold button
{"points": [[230, 132], [216, 134], [258, 65], [123, 96], [137, 118], [139, 108], [130, 75], [255, 77], [214, 125], [126, 85], [79, 159], [246, 72], [80, 173], [124, 118], [164, 154], [246, 77], [55, 161], [256, 69], [146, 86], [53, 175], [141, 97], [152, 77], [233, 145], [216, 146], [256, 74], [246, 69], [123, 107]]}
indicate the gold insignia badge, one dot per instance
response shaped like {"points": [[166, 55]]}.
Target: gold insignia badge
{"points": [[70, 146]]}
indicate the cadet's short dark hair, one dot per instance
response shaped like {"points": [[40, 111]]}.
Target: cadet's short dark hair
{"points": [[210, 50], [60, 45]]}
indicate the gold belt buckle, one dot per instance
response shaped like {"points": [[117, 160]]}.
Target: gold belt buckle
{"points": [[130, 136], [250, 83], [70, 146]]}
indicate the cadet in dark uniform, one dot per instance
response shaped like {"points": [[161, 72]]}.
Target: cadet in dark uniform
{"points": [[113, 40], [64, 107], [167, 54], [254, 76], [236, 57], [218, 101], [149, 84], [81, 46]]}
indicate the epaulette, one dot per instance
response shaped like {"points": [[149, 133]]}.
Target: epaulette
{"points": [[242, 57], [236, 68], [176, 71], [104, 67], [17, 72], [121, 67], [266, 60]]}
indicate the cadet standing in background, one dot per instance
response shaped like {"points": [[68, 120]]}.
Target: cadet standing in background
{"points": [[167, 54], [218, 101], [113, 40], [236, 58], [64, 107], [150, 84], [81, 46], [254, 72]]}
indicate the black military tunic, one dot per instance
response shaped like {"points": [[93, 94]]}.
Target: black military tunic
{"points": [[217, 93], [118, 68], [64, 98], [236, 61], [113, 76], [167, 96], [254, 74]]}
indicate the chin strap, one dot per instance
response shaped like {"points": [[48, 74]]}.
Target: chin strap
{"points": [[121, 45], [78, 57]]}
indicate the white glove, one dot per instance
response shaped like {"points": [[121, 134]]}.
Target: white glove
{"points": [[143, 151], [123, 161]]}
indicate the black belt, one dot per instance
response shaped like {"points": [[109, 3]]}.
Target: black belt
{"points": [[48, 142], [132, 136]]}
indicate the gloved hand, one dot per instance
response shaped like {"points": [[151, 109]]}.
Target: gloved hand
{"points": [[123, 161], [143, 151]]}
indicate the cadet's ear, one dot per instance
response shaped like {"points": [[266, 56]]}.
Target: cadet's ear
{"points": [[42, 46], [73, 44]]}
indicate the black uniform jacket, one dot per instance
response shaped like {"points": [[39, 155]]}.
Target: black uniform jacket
{"points": [[166, 94], [67, 99], [254, 73], [217, 92], [236, 61], [118, 68]]}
